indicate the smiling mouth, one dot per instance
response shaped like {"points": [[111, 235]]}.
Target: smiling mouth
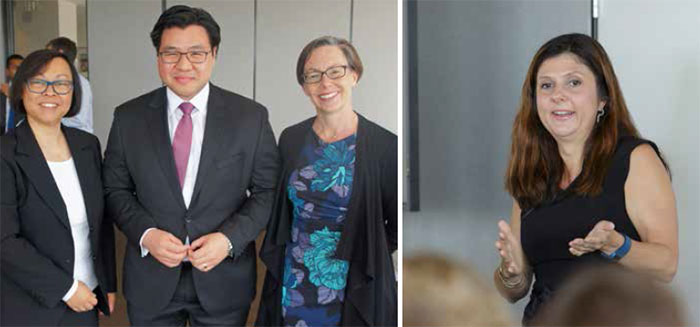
{"points": [[328, 96], [562, 113], [48, 105], [183, 79]]}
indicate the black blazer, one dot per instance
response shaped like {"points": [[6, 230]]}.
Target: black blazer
{"points": [[368, 238], [239, 155], [37, 246]]}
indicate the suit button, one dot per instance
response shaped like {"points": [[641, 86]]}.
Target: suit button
{"points": [[188, 220], [67, 260], [94, 257], [92, 229]]}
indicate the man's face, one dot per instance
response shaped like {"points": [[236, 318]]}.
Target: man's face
{"points": [[184, 77], [11, 69]]}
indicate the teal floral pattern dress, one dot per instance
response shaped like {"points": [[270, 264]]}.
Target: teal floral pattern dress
{"points": [[319, 190]]}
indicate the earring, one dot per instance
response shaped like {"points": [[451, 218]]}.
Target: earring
{"points": [[601, 112]]}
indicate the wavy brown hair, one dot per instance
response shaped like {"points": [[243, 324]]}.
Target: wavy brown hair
{"points": [[535, 167]]}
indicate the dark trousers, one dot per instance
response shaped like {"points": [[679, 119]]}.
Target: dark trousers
{"points": [[72, 318], [185, 307]]}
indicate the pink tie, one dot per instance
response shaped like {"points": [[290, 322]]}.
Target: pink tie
{"points": [[182, 141]]}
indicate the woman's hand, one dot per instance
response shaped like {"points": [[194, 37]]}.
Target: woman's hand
{"points": [[111, 299], [83, 300], [602, 237], [511, 252]]}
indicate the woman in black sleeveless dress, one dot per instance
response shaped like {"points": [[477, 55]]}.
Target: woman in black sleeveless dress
{"points": [[586, 188]]}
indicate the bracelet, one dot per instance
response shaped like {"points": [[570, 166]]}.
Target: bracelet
{"points": [[504, 280]]}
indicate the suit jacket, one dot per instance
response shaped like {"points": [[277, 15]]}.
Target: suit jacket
{"points": [[368, 238], [3, 113], [37, 246], [233, 194]]}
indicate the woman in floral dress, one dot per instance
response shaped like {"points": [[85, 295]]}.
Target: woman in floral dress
{"points": [[329, 242]]}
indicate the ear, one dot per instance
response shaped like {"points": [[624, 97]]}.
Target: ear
{"points": [[355, 77], [602, 103], [305, 90], [215, 52]]}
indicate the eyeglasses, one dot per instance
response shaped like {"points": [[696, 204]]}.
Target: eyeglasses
{"points": [[194, 56], [61, 87], [334, 72]]}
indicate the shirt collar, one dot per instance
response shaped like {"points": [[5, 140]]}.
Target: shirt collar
{"points": [[199, 101]]}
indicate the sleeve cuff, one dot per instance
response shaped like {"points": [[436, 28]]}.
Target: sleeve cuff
{"points": [[71, 291], [144, 251]]}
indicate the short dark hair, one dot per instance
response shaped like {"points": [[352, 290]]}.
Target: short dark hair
{"points": [[65, 45], [349, 51], [33, 65], [13, 57], [182, 16]]}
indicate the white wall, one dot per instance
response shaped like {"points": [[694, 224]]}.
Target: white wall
{"points": [[67, 20], [34, 25], [655, 49]]}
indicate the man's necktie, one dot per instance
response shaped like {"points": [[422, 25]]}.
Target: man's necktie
{"points": [[182, 141]]}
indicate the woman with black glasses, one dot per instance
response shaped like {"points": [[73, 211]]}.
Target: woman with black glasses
{"points": [[58, 264], [329, 242]]}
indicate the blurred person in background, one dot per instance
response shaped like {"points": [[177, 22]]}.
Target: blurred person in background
{"points": [[8, 117], [83, 120]]}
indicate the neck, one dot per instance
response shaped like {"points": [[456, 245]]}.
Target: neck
{"points": [[48, 136], [336, 125], [572, 155]]}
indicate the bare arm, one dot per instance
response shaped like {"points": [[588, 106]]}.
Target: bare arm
{"points": [[651, 206], [513, 276]]}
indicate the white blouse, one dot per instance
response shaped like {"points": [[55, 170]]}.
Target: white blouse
{"points": [[66, 177]]}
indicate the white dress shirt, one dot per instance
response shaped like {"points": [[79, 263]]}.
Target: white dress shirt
{"points": [[66, 177], [199, 115], [83, 120]]}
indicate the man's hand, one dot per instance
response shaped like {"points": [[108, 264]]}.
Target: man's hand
{"points": [[5, 88], [208, 251], [83, 300], [165, 247]]}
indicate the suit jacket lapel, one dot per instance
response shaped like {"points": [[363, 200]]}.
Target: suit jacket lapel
{"points": [[213, 138], [157, 119], [32, 161], [82, 158]]}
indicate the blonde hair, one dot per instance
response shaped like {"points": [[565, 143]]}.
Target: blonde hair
{"points": [[438, 291]]}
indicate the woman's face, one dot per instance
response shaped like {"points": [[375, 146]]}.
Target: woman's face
{"points": [[329, 95], [48, 107], [567, 98]]}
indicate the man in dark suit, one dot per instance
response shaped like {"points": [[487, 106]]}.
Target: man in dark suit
{"points": [[190, 171], [8, 118]]}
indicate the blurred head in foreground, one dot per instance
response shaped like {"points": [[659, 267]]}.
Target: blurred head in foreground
{"points": [[611, 295], [438, 291]]}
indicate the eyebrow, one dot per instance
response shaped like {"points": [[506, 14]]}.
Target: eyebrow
{"points": [[569, 73], [194, 47]]}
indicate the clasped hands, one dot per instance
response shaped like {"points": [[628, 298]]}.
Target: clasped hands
{"points": [[204, 253]]}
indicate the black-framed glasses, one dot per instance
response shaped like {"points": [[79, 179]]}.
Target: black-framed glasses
{"points": [[194, 56], [61, 86], [334, 72]]}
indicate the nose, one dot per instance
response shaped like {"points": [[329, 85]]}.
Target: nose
{"points": [[325, 80], [49, 91], [558, 94], [183, 63]]}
